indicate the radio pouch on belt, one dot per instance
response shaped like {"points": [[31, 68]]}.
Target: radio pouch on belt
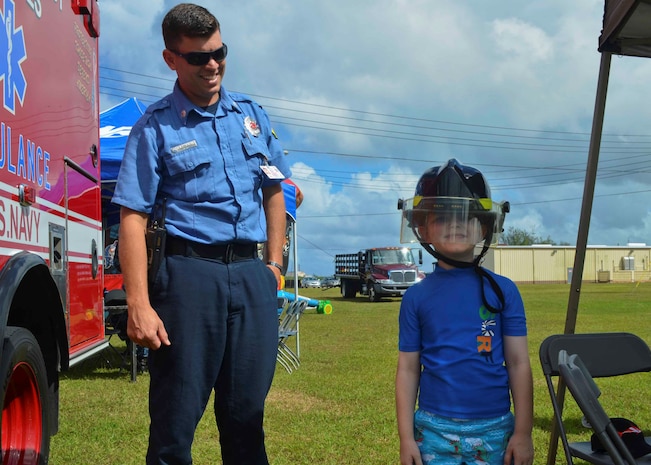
{"points": [[155, 239]]}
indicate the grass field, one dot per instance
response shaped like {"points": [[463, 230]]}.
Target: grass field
{"points": [[338, 408]]}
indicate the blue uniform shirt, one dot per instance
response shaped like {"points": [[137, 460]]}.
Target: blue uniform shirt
{"points": [[207, 166]]}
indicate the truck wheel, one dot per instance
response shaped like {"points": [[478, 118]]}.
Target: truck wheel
{"points": [[347, 289], [25, 435], [372, 295]]}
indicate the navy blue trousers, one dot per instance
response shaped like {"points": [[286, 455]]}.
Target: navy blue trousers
{"points": [[223, 325]]}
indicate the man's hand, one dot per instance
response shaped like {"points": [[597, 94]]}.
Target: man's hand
{"points": [[146, 329], [144, 326]]}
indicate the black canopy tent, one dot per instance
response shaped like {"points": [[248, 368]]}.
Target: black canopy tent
{"points": [[626, 31]]}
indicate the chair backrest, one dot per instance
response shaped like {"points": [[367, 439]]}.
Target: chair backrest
{"points": [[586, 393], [286, 311], [282, 303], [603, 354], [115, 297], [291, 315]]}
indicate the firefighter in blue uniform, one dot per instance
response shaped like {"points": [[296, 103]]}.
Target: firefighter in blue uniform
{"points": [[210, 161]]}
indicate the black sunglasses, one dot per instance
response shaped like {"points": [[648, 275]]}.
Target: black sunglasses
{"points": [[202, 58]]}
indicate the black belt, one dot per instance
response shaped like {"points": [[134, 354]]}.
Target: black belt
{"points": [[221, 252]]}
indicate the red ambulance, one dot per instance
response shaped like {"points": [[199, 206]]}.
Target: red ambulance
{"points": [[51, 245]]}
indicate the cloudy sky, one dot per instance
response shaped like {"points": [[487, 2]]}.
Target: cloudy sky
{"points": [[365, 95]]}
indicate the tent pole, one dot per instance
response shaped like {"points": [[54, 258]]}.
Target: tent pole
{"points": [[588, 193], [295, 243], [584, 227]]}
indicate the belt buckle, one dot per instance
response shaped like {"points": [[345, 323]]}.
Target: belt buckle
{"points": [[228, 255]]}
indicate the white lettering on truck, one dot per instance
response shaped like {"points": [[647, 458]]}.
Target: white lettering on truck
{"points": [[23, 223], [38, 7], [27, 161]]}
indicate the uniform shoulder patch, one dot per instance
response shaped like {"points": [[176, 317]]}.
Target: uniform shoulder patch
{"points": [[159, 105]]}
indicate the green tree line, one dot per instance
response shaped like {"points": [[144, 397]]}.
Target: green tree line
{"points": [[518, 236]]}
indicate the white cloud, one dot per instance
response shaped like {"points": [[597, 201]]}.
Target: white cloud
{"points": [[397, 86], [522, 41]]}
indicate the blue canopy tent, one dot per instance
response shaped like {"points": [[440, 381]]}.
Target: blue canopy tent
{"points": [[115, 126]]}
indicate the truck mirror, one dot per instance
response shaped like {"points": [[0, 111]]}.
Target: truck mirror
{"points": [[420, 256]]}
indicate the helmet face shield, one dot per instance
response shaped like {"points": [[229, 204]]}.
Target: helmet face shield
{"points": [[452, 214], [450, 220]]}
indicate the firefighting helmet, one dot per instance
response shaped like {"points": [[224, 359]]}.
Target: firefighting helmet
{"points": [[455, 201]]}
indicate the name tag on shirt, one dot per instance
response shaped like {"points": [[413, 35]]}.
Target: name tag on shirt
{"points": [[183, 147], [272, 172]]}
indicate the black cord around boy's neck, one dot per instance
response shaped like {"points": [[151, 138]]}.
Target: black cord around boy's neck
{"points": [[481, 272]]}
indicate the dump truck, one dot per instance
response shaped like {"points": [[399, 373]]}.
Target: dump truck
{"points": [[378, 272]]}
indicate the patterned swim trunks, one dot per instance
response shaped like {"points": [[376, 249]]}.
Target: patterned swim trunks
{"points": [[446, 441]]}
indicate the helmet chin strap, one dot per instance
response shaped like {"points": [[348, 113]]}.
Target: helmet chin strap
{"points": [[481, 271]]}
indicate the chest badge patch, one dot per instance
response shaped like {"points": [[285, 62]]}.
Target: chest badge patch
{"points": [[252, 126]]}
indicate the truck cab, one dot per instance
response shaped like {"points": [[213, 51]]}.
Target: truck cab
{"points": [[389, 271], [378, 272]]}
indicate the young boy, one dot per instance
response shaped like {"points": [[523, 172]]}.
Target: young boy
{"points": [[463, 336]]}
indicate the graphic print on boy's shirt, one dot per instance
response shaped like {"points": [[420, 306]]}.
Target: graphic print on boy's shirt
{"points": [[485, 338]]}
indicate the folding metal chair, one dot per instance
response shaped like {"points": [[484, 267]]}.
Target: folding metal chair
{"points": [[586, 393], [288, 327], [602, 355]]}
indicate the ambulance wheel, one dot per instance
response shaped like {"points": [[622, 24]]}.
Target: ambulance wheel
{"points": [[25, 435]]}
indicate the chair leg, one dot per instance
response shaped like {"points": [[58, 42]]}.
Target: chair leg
{"points": [[128, 358], [289, 353], [281, 359]]}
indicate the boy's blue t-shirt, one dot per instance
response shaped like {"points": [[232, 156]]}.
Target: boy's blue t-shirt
{"points": [[460, 342]]}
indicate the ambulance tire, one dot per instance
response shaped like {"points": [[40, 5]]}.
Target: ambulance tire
{"points": [[25, 409]]}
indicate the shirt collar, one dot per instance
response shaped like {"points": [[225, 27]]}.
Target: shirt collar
{"points": [[184, 106]]}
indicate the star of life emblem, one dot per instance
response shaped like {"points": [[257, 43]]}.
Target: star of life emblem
{"points": [[252, 126], [12, 48]]}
